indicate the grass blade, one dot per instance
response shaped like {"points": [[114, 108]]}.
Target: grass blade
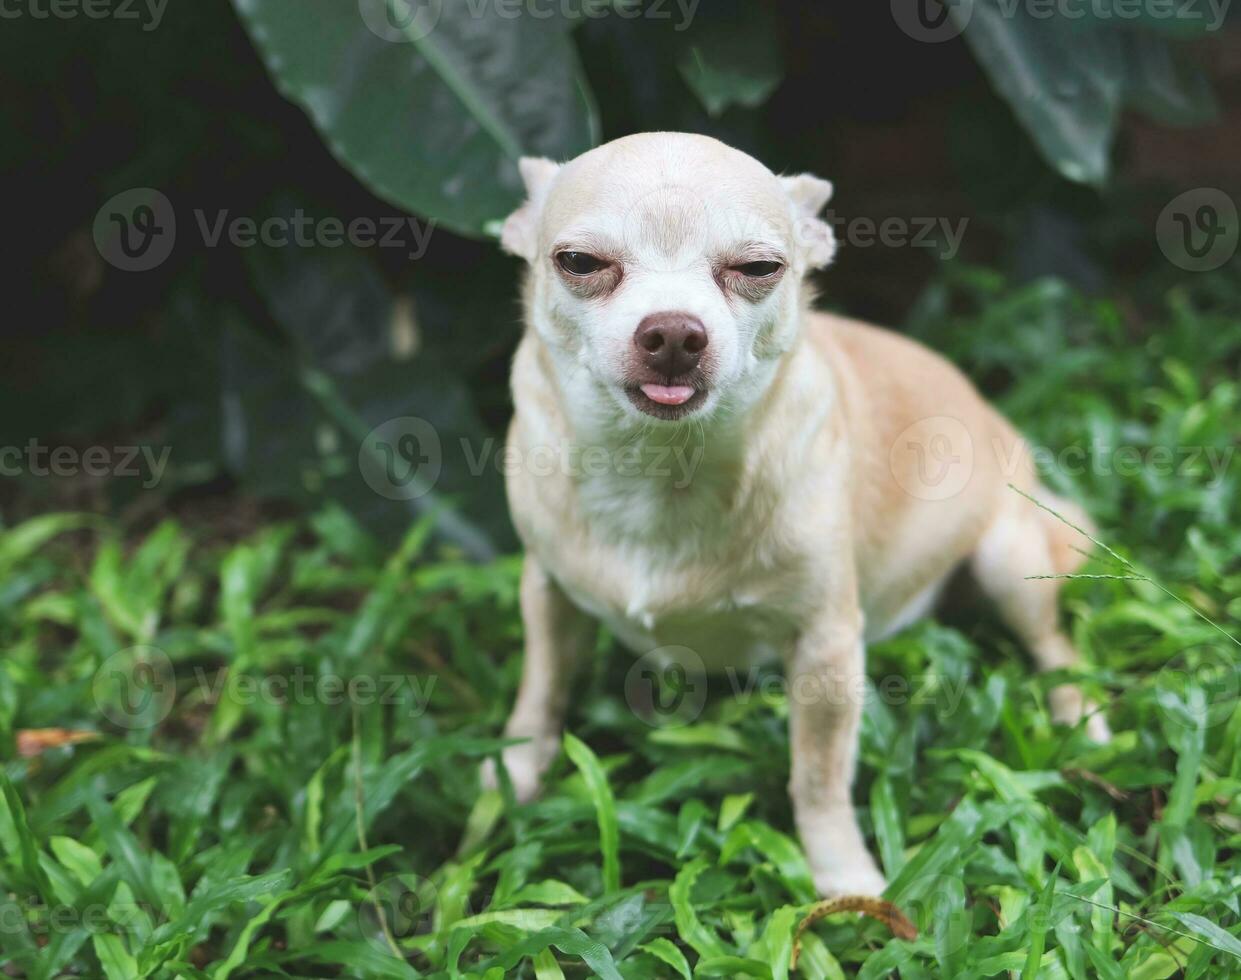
{"points": [[605, 808]]}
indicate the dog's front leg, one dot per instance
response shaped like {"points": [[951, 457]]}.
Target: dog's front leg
{"points": [[556, 634], [826, 675]]}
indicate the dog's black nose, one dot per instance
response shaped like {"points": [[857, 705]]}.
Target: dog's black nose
{"points": [[671, 343]]}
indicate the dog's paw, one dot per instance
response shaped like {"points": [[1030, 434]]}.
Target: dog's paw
{"points": [[856, 878], [1069, 707], [525, 765], [1097, 728]]}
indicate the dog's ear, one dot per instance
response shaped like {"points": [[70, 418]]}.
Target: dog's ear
{"points": [[519, 236], [814, 236]]}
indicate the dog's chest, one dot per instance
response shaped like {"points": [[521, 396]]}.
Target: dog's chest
{"points": [[735, 630], [687, 577]]}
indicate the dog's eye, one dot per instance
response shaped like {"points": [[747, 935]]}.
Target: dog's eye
{"points": [[758, 270], [579, 263]]}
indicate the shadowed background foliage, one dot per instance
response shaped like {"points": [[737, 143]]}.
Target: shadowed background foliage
{"points": [[1057, 141]]}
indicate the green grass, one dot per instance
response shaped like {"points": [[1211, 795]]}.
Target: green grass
{"points": [[244, 813]]}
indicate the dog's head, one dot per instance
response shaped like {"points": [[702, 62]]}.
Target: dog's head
{"points": [[666, 271]]}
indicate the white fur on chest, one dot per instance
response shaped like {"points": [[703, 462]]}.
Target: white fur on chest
{"points": [[668, 574], [737, 630]]}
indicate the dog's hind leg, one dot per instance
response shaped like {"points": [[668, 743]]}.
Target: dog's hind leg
{"points": [[1023, 541]]}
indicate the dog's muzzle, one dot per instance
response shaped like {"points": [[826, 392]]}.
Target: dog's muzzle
{"points": [[667, 357]]}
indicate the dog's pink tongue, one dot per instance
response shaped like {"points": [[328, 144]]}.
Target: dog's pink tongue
{"points": [[668, 394]]}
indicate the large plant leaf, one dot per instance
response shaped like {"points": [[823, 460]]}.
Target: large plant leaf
{"points": [[1065, 91], [296, 428], [1164, 85], [1067, 80], [430, 103], [732, 57]]}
